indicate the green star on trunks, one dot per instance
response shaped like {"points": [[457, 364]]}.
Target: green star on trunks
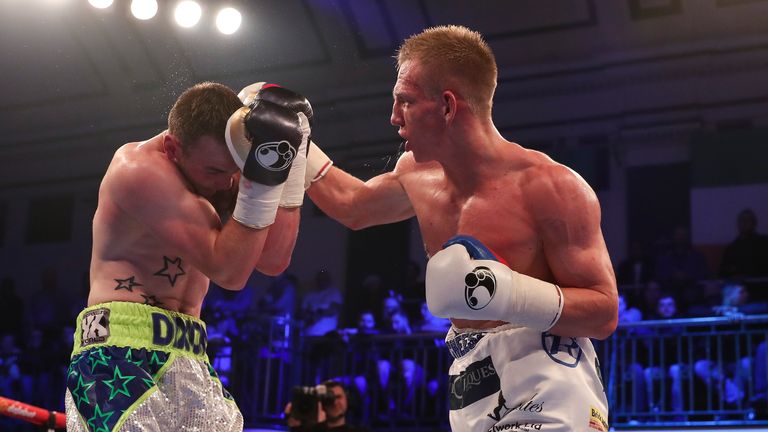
{"points": [[80, 393], [103, 419], [123, 379], [156, 360], [149, 382], [101, 360], [129, 357]]}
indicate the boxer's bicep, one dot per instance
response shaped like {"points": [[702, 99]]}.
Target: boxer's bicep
{"points": [[568, 221]]}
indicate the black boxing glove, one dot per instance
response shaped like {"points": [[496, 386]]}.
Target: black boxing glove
{"points": [[264, 139], [293, 191]]}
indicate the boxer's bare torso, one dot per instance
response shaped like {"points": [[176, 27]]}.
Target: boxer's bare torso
{"points": [[494, 212], [131, 262]]}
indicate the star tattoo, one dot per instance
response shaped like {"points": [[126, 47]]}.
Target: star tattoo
{"points": [[127, 284], [151, 300], [171, 269]]}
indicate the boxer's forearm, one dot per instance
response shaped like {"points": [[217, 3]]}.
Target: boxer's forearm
{"points": [[280, 242], [357, 204], [587, 312]]}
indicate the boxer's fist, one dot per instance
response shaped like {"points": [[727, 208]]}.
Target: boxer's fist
{"points": [[466, 280], [264, 140]]}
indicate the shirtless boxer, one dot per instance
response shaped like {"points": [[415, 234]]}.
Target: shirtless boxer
{"points": [[139, 360], [517, 257]]}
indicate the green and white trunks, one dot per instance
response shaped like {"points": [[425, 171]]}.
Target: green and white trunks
{"points": [[136, 367]]}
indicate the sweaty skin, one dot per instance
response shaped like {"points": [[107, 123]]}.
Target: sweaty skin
{"points": [[158, 240], [460, 176]]}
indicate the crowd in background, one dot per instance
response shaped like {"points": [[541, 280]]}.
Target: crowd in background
{"points": [[663, 280]]}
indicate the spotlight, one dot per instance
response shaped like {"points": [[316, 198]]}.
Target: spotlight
{"points": [[100, 4], [188, 13], [228, 20], [144, 9]]}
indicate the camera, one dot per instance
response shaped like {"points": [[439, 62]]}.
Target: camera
{"points": [[304, 402]]}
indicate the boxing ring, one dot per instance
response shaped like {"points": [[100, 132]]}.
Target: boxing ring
{"points": [[47, 420]]}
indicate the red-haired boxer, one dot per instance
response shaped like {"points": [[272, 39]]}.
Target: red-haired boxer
{"points": [[139, 360], [522, 357]]}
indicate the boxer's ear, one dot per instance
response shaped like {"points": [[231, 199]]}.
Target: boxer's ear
{"points": [[172, 147], [449, 105]]}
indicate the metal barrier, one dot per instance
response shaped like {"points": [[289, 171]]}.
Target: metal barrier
{"points": [[698, 372]]}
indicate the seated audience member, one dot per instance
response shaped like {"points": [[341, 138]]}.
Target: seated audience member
{"points": [[430, 323], [628, 313], [665, 352], [366, 323], [280, 297], [321, 307]]}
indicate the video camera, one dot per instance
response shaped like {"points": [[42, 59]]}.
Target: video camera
{"points": [[305, 399]]}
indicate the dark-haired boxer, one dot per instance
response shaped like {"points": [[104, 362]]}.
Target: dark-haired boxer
{"points": [[528, 280], [139, 360]]}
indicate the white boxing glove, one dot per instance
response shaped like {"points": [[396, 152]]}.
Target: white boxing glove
{"points": [[465, 280]]}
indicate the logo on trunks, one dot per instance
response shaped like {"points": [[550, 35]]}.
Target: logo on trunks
{"points": [[179, 333], [531, 406], [275, 156], [479, 287], [477, 381], [463, 343], [567, 354], [95, 327], [516, 426], [597, 420]]}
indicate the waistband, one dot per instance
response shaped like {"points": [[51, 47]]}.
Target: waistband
{"points": [[138, 325]]}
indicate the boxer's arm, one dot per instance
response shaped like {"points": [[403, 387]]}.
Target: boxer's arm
{"points": [[160, 202], [280, 242], [567, 214], [357, 204]]}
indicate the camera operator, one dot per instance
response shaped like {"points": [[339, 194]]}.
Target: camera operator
{"points": [[320, 408]]}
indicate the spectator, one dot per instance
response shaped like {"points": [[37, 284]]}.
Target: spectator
{"points": [[430, 323], [35, 364], [628, 314], [280, 298], [331, 416], [747, 254], [222, 330], [321, 307], [366, 323], [664, 374], [10, 371]]}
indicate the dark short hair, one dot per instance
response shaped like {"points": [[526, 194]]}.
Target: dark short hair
{"points": [[202, 110]]}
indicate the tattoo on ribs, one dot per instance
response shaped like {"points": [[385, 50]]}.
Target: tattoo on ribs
{"points": [[151, 300], [171, 269], [127, 284]]}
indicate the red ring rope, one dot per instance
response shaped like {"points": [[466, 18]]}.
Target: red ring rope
{"points": [[31, 414]]}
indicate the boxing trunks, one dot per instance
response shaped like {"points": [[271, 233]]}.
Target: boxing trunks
{"points": [[136, 367], [519, 379]]}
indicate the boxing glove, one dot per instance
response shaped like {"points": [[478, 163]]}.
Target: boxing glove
{"points": [[293, 191], [264, 139], [466, 280]]}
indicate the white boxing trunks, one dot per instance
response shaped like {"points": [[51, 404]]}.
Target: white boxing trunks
{"points": [[519, 379]]}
